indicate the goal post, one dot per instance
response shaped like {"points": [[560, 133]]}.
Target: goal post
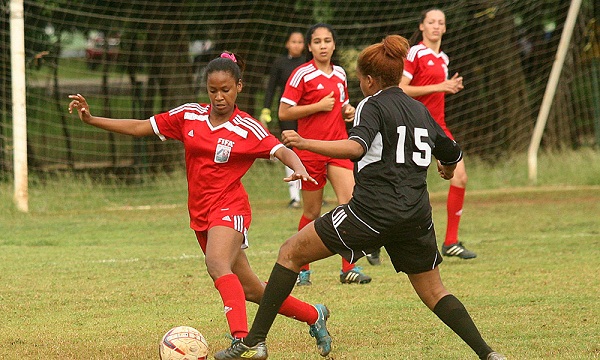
{"points": [[550, 91], [17, 46]]}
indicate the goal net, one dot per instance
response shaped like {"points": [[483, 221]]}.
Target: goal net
{"points": [[132, 59]]}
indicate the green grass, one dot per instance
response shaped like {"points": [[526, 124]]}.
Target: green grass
{"points": [[101, 271]]}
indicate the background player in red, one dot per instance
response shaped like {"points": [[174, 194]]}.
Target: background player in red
{"points": [[425, 78], [278, 75], [316, 95], [221, 143], [391, 143]]}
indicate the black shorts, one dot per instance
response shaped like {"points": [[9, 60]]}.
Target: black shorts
{"points": [[412, 248]]}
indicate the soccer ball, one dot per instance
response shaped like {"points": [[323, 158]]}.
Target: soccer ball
{"points": [[183, 343]]}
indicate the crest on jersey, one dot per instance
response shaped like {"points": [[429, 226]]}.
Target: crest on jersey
{"points": [[222, 153]]}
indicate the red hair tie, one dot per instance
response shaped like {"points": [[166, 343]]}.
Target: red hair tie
{"points": [[229, 56]]}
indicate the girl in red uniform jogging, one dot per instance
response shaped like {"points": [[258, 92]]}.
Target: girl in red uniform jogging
{"points": [[316, 94], [425, 78], [221, 143]]}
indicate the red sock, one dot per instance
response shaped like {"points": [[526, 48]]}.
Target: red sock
{"points": [[346, 266], [299, 310], [456, 199], [303, 222], [234, 304]]}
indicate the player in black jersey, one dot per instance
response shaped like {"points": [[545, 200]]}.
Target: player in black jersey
{"points": [[392, 142]]}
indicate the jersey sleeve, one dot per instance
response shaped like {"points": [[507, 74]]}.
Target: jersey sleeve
{"points": [[294, 89], [410, 68], [168, 125], [366, 125]]}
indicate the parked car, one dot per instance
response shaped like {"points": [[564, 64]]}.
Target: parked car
{"points": [[98, 45]]}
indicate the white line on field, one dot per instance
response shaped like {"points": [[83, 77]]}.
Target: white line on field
{"points": [[143, 207]]}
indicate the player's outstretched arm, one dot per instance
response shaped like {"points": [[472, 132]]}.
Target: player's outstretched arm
{"points": [[122, 126], [339, 149]]}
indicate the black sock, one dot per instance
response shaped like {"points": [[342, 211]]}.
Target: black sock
{"points": [[280, 285], [452, 312]]}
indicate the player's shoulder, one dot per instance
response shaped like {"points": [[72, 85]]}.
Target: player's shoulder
{"points": [[300, 72], [415, 51], [246, 126], [200, 109], [339, 72]]}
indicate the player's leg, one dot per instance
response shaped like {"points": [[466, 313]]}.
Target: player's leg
{"points": [[311, 209], [222, 250], [449, 309], [454, 207], [254, 289], [342, 181], [302, 248]]}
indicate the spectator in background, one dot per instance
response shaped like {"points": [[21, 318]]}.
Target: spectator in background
{"points": [[425, 78], [278, 75]]}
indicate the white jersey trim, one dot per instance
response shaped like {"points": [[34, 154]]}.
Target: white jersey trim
{"points": [[155, 128]]}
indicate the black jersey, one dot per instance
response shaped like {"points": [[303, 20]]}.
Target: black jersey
{"points": [[399, 137], [278, 75]]}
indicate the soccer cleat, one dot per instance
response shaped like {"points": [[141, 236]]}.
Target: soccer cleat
{"points": [[373, 258], [318, 330], [495, 356], [239, 350], [303, 278], [458, 250], [354, 276], [294, 204]]}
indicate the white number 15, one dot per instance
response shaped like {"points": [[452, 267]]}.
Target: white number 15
{"points": [[421, 158]]}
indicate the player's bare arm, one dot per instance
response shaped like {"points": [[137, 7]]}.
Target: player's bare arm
{"points": [[122, 126], [449, 86], [289, 112], [340, 149], [291, 160]]}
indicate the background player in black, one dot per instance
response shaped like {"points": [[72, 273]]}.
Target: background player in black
{"points": [[391, 143], [278, 75]]}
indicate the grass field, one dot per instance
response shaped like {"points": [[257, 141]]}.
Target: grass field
{"points": [[102, 271]]}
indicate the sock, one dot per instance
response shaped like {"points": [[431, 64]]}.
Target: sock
{"points": [[280, 285], [234, 304], [346, 266], [456, 199], [453, 313], [299, 310], [303, 222]]}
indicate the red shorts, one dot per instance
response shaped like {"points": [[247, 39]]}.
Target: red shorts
{"points": [[228, 217], [317, 168]]}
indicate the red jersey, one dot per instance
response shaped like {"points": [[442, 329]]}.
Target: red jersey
{"points": [[307, 85], [216, 157], [424, 67]]}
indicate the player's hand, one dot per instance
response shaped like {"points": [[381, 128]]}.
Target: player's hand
{"points": [[265, 116], [300, 175], [290, 138], [326, 103], [446, 171], [348, 113], [453, 85], [79, 103]]}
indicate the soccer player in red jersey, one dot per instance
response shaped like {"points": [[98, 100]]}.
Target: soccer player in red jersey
{"points": [[425, 78], [316, 94], [221, 143]]}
